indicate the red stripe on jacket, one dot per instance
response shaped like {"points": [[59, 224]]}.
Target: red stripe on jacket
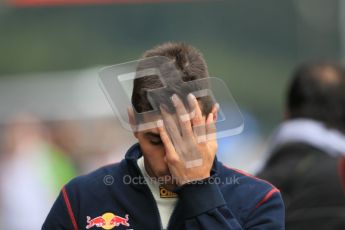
{"points": [[69, 208]]}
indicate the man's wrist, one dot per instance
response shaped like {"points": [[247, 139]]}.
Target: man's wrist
{"points": [[195, 179], [200, 196]]}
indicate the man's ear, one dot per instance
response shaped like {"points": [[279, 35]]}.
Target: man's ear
{"points": [[214, 111], [132, 121]]}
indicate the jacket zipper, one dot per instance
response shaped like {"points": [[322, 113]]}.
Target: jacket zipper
{"points": [[172, 215], [152, 198]]}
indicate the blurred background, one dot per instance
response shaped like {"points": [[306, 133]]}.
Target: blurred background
{"points": [[55, 122]]}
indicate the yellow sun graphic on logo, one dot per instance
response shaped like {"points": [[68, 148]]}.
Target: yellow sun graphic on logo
{"points": [[108, 217]]}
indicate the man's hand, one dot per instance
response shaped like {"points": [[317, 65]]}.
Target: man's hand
{"points": [[190, 144]]}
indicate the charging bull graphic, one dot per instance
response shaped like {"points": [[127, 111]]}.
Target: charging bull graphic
{"points": [[106, 221]]}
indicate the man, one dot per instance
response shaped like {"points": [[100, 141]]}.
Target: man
{"points": [[152, 188], [306, 149]]}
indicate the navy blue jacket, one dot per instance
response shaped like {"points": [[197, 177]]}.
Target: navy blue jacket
{"points": [[104, 199]]}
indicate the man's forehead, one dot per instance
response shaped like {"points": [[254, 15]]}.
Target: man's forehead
{"points": [[151, 117], [154, 118]]}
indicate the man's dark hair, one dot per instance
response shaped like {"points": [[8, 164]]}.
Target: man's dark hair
{"points": [[317, 91], [183, 61]]}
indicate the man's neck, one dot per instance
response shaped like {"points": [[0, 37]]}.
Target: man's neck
{"points": [[167, 185]]}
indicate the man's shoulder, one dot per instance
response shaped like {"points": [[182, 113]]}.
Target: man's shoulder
{"points": [[101, 177], [246, 190], [243, 180]]}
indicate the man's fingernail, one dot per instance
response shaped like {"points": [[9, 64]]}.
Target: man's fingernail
{"points": [[175, 100], [160, 123], [191, 97]]}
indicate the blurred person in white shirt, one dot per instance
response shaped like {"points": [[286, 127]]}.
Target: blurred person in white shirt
{"points": [[27, 173]]}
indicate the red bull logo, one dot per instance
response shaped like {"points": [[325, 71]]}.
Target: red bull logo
{"points": [[106, 221]]}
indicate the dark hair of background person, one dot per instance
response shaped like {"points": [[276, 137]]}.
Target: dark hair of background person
{"points": [[185, 62], [317, 92]]}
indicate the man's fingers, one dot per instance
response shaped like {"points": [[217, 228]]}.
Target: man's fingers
{"points": [[169, 147], [171, 126], [183, 116], [211, 128], [172, 156], [198, 120], [194, 105]]}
